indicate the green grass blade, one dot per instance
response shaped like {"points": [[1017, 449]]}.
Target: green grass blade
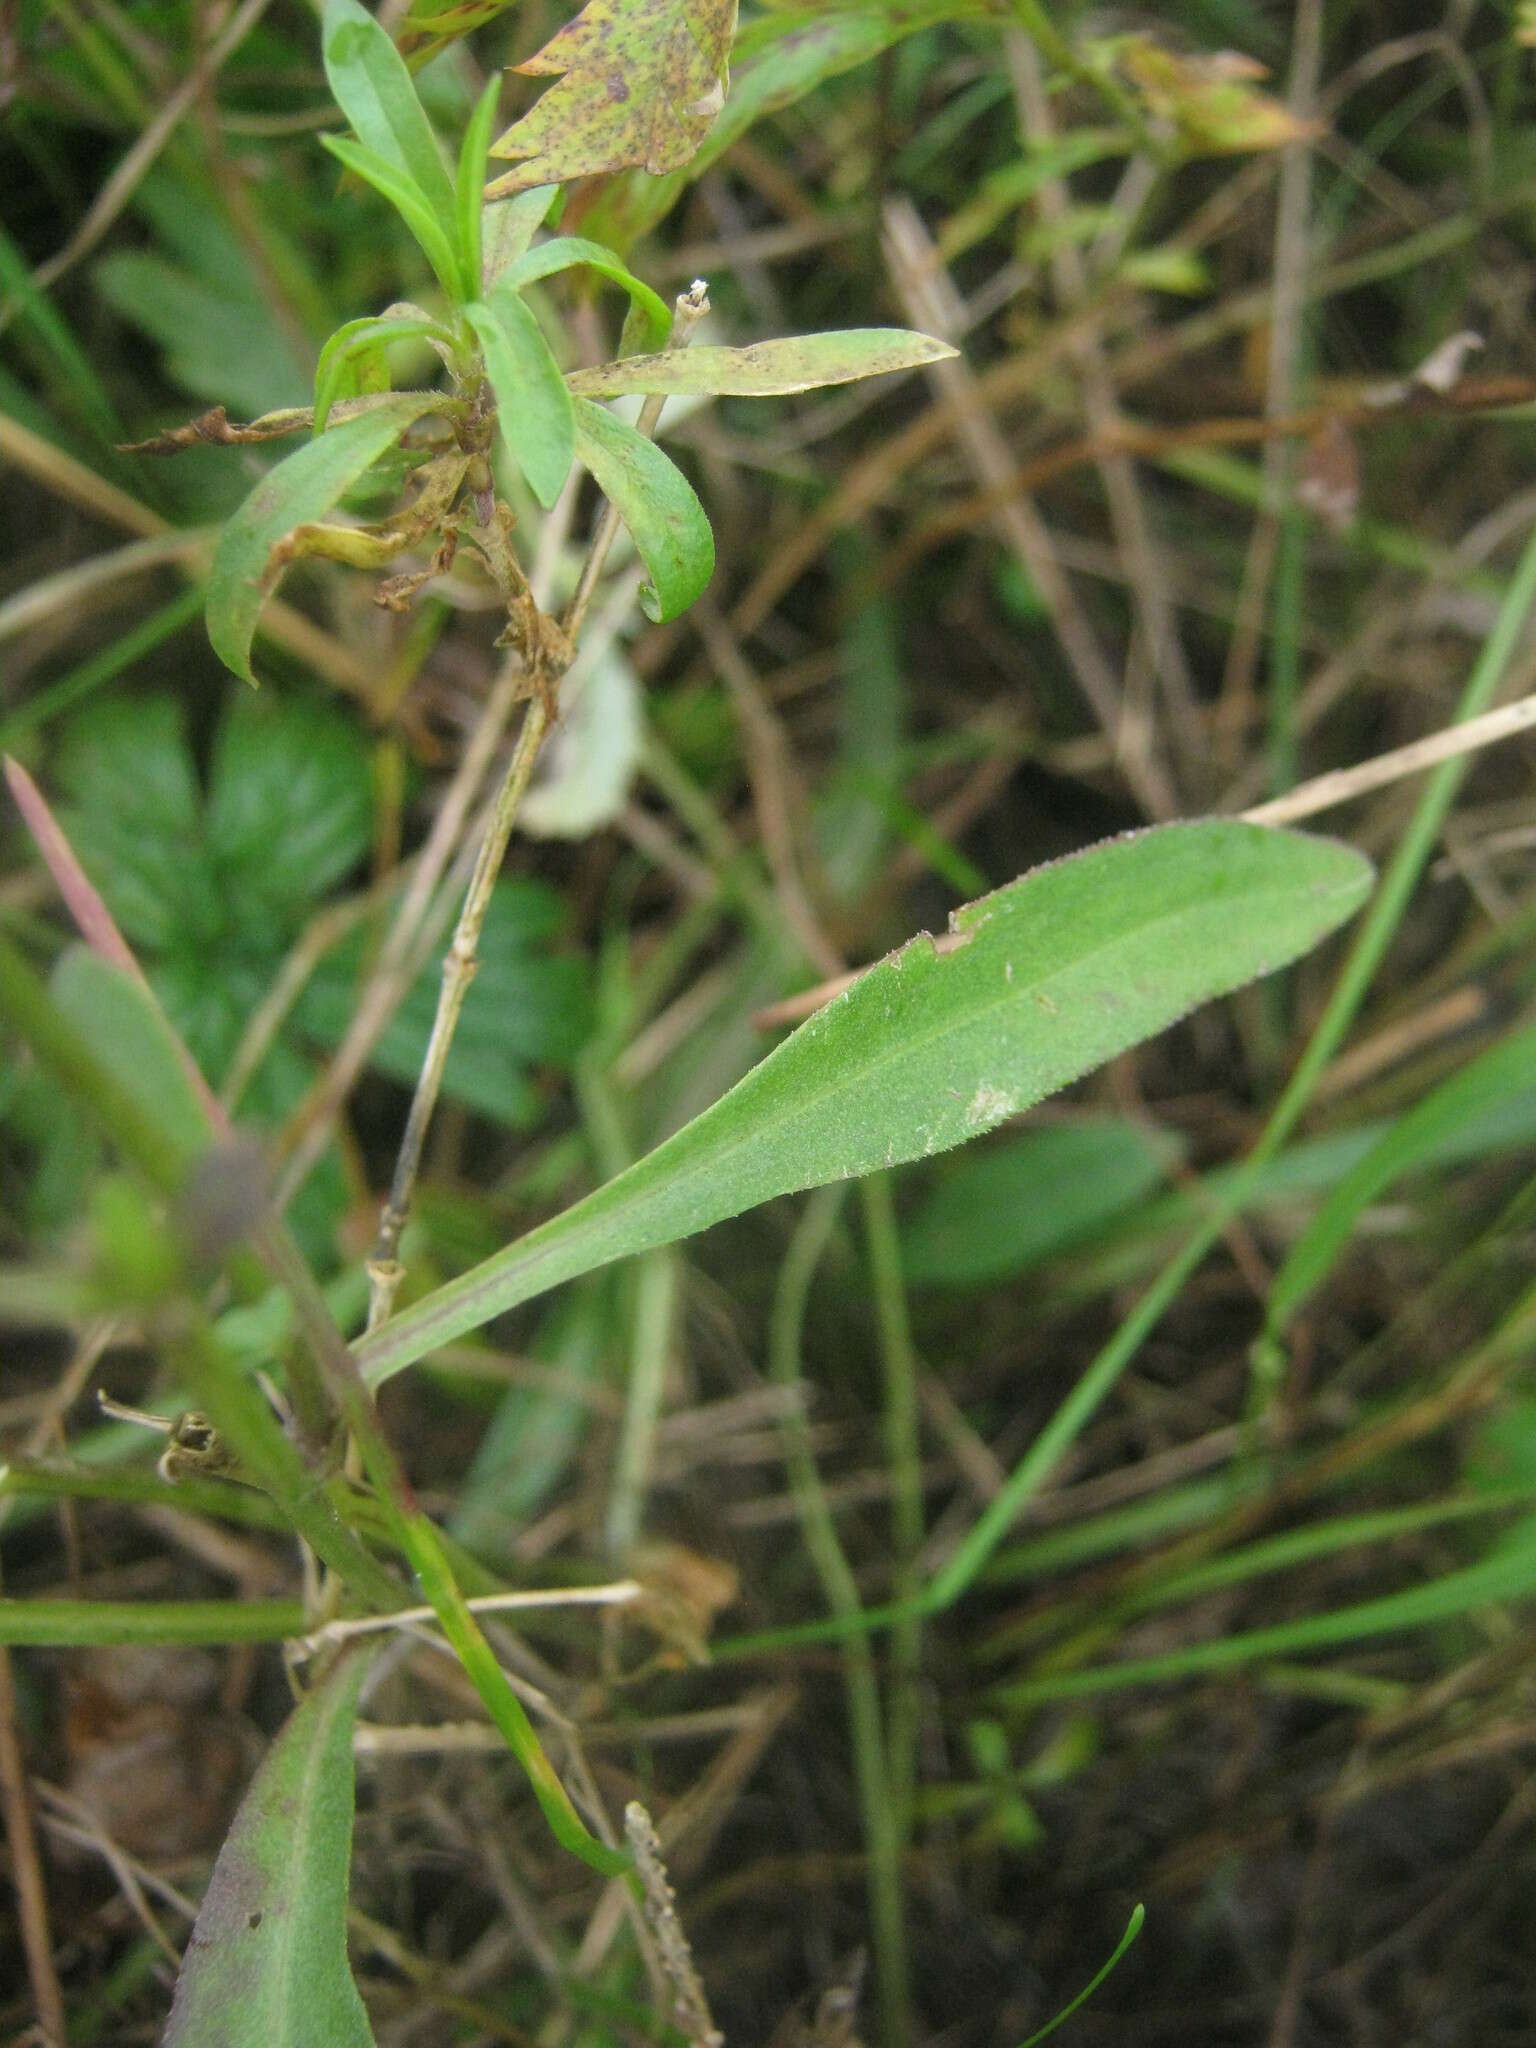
{"points": [[1133, 1928], [1497, 1078], [1509, 1575], [85, 1624]]}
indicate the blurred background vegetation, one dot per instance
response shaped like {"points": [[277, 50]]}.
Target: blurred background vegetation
{"points": [[962, 623]]}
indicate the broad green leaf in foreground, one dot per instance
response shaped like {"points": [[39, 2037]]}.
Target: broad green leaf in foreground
{"points": [[304, 486], [1035, 985], [267, 1963], [656, 502], [766, 369]]}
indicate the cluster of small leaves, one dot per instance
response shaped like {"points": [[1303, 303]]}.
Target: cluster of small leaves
{"points": [[505, 386]]}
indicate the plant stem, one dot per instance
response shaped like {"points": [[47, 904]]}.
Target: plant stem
{"points": [[384, 1268], [416, 1534]]}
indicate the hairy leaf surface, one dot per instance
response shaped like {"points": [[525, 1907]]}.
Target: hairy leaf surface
{"points": [[267, 1963], [1035, 985]]}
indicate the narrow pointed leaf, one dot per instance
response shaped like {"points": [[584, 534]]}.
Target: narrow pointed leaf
{"points": [[303, 487], [656, 502], [766, 369], [563, 252], [1037, 984], [470, 190], [374, 90], [508, 227], [267, 1963], [533, 408], [336, 373], [437, 241]]}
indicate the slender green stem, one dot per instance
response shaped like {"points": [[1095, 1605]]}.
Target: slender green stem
{"points": [[423, 1546], [903, 1457], [879, 1819], [1058, 52]]}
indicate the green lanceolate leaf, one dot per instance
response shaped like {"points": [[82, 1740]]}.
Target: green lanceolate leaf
{"points": [[371, 85], [766, 369], [469, 191], [650, 320], [656, 502], [1490, 1087], [438, 243], [533, 407], [267, 1963], [339, 374], [508, 227], [1035, 985], [304, 486]]}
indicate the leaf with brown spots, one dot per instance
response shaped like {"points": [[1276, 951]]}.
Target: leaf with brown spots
{"points": [[641, 82]]}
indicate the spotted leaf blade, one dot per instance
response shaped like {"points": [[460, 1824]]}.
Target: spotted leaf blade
{"points": [[640, 85]]}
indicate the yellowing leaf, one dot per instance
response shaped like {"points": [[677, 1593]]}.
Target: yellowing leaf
{"points": [[1212, 101], [641, 82]]}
